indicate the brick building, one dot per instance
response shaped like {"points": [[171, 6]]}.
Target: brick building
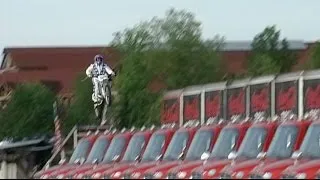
{"points": [[57, 67]]}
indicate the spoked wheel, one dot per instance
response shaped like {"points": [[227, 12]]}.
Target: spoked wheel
{"points": [[108, 97]]}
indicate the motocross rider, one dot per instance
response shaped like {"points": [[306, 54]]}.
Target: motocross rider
{"points": [[96, 69]]}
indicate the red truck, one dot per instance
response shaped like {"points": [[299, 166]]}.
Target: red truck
{"points": [[177, 149], [203, 142], [133, 153], [255, 143], [78, 157], [303, 164], [318, 174], [114, 154], [155, 149], [229, 140], [288, 138]]}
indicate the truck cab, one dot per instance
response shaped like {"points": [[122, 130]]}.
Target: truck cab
{"points": [[256, 142], [132, 154], [287, 139], [304, 163], [176, 151], [202, 142], [154, 151], [114, 153], [78, 156]]}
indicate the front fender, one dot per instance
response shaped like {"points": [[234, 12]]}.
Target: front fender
{"points": [[240, 170], [161, 170]]}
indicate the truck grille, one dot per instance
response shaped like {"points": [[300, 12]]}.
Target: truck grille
{"points": [[225, 176], [148, 176], [172, 176], [107, 176], [69, 177], [255, 176], [127, 176], [196, 175], [86, 177], [288, 176]]}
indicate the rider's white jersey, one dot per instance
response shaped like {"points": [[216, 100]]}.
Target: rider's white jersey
{"points": [[95, 69]]}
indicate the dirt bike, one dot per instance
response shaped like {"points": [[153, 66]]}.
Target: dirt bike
{"points": [[104, 98]]}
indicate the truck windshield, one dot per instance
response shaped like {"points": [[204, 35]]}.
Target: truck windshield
{"points": [[311, 144], [80, 151], [177, 146], [98, 150], [253, 142], [116, 147], [226, 143], [135, 148], [283, 142], [200, 144], [154, 147]]}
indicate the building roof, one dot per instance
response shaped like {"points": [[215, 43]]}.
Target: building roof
{"points": [[58, 57], [62, 80], [246, 45]]}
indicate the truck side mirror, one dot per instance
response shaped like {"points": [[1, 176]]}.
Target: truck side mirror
{"points": [[63, 161], [77, 161], [205, 156], [232, 155], [262, 155], [137, 158], [116, 158], [181, 155], [82, 160], [95, 161], [296, 155], [159, 157]]}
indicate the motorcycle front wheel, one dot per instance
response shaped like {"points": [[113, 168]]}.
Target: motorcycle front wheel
{"points": [[108, 97]]}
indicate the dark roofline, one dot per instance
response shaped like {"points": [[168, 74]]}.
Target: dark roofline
{"points": [[44, 47], [3, 58]]}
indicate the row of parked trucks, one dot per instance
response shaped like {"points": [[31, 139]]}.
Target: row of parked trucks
{"points": [[265, 149], [240, 147]]}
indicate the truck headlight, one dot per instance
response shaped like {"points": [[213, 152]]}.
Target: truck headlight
{"points": [[267, 175], [44, 176], [158, 175], [212, 172], [181, 175], [239, 174], [96, 175], [136, 175], [117, 174], [60, 176], [301, 176]]}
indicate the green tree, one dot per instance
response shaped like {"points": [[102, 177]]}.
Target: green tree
{"points": [[81, 109], [30, 111], [268, 46], [314, 61], [169, 49]]}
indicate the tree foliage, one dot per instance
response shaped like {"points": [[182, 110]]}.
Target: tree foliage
{"points": [[81, 109], [30, 111], [169, 49], [268, 50], [314, 61]]}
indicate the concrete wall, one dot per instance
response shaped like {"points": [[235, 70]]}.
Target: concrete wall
{"points": [[8, 170]]}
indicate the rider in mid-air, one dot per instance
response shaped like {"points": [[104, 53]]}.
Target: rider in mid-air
{"points": [[96, 69]]}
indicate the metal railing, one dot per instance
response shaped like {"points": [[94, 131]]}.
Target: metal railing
{"points": [[47, 165], [76, 132]]}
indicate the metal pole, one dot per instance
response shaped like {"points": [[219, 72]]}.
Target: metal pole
{"points": [[57, 129]]}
